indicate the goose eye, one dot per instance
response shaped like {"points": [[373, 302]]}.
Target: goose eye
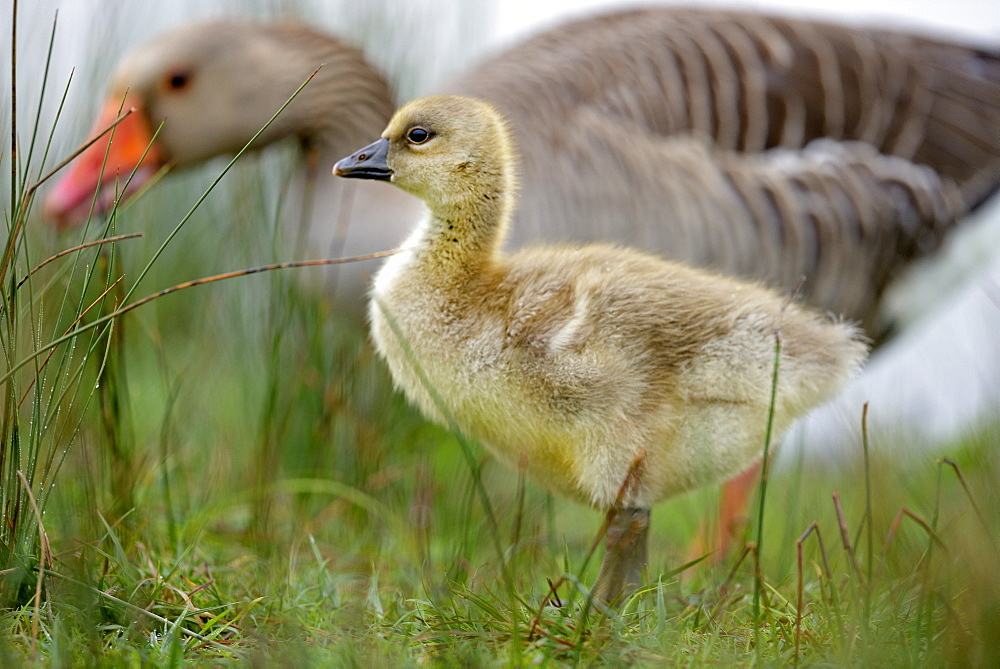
{"points": [[418, 135], [178, 80]]}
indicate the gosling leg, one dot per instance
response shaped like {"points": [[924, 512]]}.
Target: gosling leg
{"points": [[625, 558]]}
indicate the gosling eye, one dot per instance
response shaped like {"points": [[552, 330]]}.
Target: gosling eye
{"points": [[418, 135]]}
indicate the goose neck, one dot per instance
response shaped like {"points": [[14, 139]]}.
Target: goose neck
{"points": [[345, 104]]}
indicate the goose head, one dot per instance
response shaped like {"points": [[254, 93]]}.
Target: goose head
{"points": [[206, 89], [455, 153]]}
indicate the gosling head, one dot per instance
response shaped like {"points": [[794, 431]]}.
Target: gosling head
{"points": [[447, 150]]}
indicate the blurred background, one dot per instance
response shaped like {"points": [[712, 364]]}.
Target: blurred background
{"points": [[940, 377]]}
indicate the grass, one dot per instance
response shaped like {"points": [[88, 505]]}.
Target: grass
{"points": [[225, 476], [362, 576]]}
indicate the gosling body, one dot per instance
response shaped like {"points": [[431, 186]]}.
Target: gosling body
{"points": [[610, 376], [575, 363]]}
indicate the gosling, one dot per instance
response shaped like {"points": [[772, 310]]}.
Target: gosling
{"points": [[610, 376]]}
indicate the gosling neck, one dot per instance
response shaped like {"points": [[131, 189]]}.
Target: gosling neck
{"points": [[466, 233]]}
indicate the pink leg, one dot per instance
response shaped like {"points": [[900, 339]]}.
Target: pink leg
{"points": [[734, 502]]}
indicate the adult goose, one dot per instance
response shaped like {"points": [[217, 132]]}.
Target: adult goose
{"points": [[768, 148], [610, 376], [762, 147]]}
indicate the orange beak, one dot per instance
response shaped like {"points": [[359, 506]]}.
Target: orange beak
{"points": [[106, 165]]}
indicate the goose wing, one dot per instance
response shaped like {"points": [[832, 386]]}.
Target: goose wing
{"points": [[694, 133], [750, 82], [837, 219]]}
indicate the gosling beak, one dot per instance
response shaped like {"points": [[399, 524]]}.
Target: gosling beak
{"points": [[368, 163]]}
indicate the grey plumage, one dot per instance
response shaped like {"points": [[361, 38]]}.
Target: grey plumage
{"points": [[767, 148], [763, 147]]}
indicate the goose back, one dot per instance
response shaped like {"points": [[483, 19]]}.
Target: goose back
{"points": [[704, 128], [749, 82]]}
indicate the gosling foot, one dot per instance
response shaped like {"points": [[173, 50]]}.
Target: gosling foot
{"points": [[625, 558]]}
